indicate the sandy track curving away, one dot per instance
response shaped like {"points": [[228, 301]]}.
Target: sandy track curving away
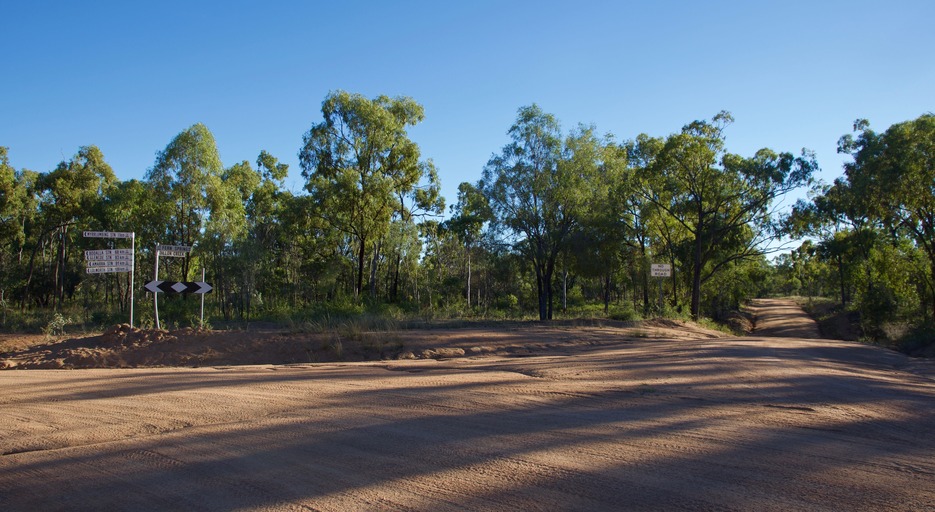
{"points": [[782, 318], [751, 423]]}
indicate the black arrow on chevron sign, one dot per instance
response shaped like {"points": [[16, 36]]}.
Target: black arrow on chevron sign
{"points": [[178, 287]]}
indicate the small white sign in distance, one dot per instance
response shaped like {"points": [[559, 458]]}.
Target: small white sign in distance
{"points": [[107, 270], [660, 270], [108, 234], [174, 248]]}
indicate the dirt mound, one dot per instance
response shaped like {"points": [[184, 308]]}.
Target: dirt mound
{"points": [[122, 346]]}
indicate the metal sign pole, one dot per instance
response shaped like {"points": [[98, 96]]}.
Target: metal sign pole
{"points": [[156, 295], [202, 300], [132, 273]]}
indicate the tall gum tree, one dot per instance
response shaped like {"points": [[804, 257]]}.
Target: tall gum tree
{"points": [[724, 201], [72, 195], [538, 189], [18, 204], [358, 161], [895, 170], [468, 217], [187, 178]]}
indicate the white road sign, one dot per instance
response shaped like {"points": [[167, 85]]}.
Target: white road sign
{"points": [[173, 254], [108, 234], [109, 263], [117, 258], [105, 270], [173, 248], [108, 253], [660, 270], [105, 261]]}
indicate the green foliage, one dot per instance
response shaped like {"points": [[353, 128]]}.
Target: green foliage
{"points": [[539, 189], [56, 326], [359, 162], [722, 201], [189, 183], [568, 219], [875, 233]]}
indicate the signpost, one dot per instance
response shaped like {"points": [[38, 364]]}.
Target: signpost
{"points": [[173, 251], [169, 251], [660, 270], [178, 287], [108, 261]]}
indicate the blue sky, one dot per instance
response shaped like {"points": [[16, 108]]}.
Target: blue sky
{"points": [[129, 76]]}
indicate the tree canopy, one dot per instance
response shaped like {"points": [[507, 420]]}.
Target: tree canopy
{"points": [[358, 162], [569, 214]]}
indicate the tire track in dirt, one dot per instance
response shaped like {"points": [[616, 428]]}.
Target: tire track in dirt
{"points": [[702, 424], [782, 318]]}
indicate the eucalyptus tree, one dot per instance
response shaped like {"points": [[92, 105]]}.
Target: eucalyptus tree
{"points": [[252, 256], [839, 216], [539, 188], [600, 244], [11, 230], [264, 209], [358, 161], [71, 195], [129, 206], [895, 173], [188, 184], [468, 217], [18, 203], [646, 228], [416, 205], [724, 201]]}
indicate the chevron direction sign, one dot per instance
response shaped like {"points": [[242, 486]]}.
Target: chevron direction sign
{"points": [[178, 287]]}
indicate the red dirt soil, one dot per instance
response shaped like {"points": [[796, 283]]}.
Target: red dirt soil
{"points": [[567, 418]]}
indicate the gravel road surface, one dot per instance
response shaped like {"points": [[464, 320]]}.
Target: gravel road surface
{"points": [[756, 423]]}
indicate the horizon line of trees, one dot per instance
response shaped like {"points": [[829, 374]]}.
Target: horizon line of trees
{"points": [[557, 220]]}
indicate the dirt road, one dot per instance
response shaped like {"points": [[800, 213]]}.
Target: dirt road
{"points": [[752, 423], [782, 318]]}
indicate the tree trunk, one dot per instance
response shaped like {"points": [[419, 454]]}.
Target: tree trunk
{"points": [[469, 278], [841, 281], [643, 262], [32, 261], [675, 286], [543, 308], [360, 270], [696, 277], [564, 288], [373, 271], [62, 262], [394, 290], [550, 297], [932, 261], [606, 293]]}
